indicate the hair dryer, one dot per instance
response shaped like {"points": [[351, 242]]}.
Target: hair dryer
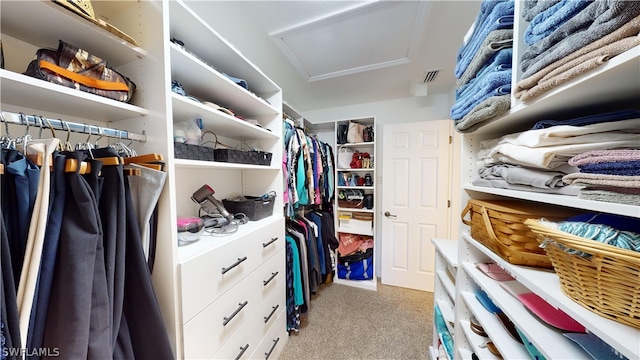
{"points": [[204, 194]]}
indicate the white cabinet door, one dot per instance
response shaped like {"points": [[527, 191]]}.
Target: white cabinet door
{"points": [[415, 188]]}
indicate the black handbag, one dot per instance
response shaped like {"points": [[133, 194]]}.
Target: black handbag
{"points": [[341, 134]]}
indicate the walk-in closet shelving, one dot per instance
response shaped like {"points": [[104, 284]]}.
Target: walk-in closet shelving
{"points": [[444, 294], [368, 147], [203, 293], [152, 63], [614, 85]]}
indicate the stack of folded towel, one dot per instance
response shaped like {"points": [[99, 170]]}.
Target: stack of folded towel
{"points": [[611, 175], [483, 67], [568, 38], [540, 158]]}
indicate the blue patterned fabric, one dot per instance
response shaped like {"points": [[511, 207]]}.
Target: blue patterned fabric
{"points": [[601, 233]]}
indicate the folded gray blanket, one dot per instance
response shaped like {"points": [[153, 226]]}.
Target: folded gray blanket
{"points": [[630, 29], [515, 174], [488, 110], [570, 190], [609, 196], [595, 21], [494, 42]]}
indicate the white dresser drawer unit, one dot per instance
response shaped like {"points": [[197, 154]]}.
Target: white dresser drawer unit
{"points": [[210, 329], [206, 277], [272, 344], [245, 341]]}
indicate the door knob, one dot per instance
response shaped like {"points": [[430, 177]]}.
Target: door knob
{"points": [[389, 215]]}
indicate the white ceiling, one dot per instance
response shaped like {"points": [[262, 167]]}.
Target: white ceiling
{"points": [[328, 53]]}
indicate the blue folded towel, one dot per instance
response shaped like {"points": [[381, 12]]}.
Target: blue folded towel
{"points": [[499, 17], [492, 84], [620, 222], [550, 19], [500, 61], [531, 8], [590, 119], [625, 168]]}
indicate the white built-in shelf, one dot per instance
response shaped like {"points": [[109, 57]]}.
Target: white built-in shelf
{"points": [[216, 52], [21, 19], [202, 81], [448, 249], [219, 165], [546, 284], [25, 91], [222, 124], [508, 347], [209, 242], [563, 200]]}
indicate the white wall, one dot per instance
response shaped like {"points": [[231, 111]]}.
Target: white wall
{"points": [[433, 107]]}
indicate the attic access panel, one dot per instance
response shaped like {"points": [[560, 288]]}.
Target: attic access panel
{"points": [[370, 36]]}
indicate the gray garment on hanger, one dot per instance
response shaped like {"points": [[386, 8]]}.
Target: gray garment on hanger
{"points": [[145, 192]]}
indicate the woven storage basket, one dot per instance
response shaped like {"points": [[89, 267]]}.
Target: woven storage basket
{"points": [[607, 283], [499, 225]]}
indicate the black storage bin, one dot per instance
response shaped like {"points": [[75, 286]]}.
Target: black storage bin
{"points": [[243, 157], [254, 207], [193, 152]]}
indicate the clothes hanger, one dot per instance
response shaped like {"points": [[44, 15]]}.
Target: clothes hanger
{"points": [[71, 165]]}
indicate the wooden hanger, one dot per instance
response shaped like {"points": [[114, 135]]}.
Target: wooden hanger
{"points": [[151, 161], [70, 165], [144, 159]]}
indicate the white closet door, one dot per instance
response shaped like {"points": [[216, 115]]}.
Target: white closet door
{"points": [[415, 190]]}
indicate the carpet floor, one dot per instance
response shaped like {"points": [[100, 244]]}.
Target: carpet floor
{"points": [[351, 323]]}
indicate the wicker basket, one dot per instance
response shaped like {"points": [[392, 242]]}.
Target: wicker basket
{"points": [[607, 283], [499, 225]]}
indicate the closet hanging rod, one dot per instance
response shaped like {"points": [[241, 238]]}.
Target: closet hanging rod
{"points": [[63, 125]]}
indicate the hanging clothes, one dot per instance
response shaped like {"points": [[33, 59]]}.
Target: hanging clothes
{"points": [[35, 237], [9, 319], [44, 286], [78, 318]]}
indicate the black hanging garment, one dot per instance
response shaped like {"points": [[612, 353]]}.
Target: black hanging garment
{"points": [[9, 321], [78, 317], [142, 331]]}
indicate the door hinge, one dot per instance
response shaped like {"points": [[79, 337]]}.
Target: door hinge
{"points": [[448, 203], [450, 139]]}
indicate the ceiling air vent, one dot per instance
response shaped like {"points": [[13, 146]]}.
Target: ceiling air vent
{"points": [[430, 75]]}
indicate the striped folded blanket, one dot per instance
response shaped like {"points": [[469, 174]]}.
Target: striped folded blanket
{"points": [[620, 181], [601, 233], [627, 168], [604, 156], [611, 195]]}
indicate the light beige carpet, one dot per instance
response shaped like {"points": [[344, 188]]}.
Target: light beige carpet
{"points": [[351, 323]]}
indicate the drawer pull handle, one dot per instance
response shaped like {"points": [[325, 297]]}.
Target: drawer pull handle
{"points": [[240, 260], [273, 311], [275, 342], [265, 282], [264, 245], [243, 348], [240, 306]]}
